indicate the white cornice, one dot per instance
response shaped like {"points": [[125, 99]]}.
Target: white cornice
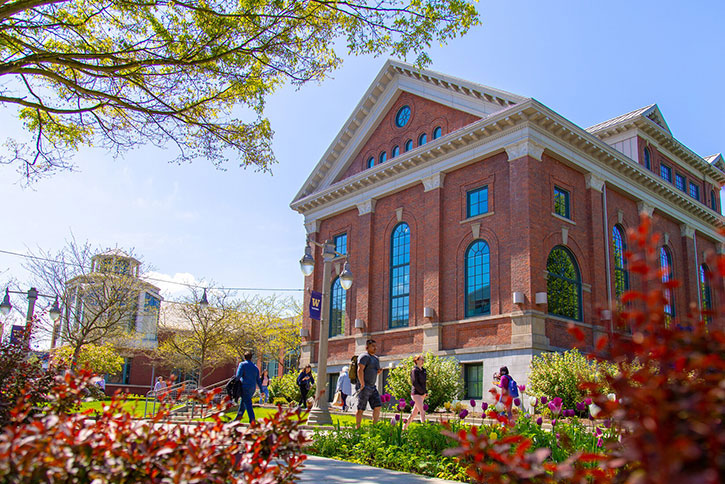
{"points": [[490, 135], [522, 148]]}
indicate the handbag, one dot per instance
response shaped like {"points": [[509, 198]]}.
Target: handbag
{"points": [[337, 401]]}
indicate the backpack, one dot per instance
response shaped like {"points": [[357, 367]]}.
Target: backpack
{"points": [[513, 387], [234, 388], [352, 371]]}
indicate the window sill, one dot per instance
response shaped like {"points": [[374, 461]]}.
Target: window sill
{"points": [[477, 217], [556, 215]]}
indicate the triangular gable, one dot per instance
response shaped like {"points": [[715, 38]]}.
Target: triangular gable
{"points": [[651, 112], [425, 116], [394, 78], [716, 160]]}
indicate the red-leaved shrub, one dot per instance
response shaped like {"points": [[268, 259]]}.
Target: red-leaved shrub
{"points": [[113, 447]]}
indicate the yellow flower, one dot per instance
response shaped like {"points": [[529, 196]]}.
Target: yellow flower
{"points": [[493, 435]]}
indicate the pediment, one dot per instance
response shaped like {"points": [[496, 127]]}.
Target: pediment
{"points": [[398, 80]]}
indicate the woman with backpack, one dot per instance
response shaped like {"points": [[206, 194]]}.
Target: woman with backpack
{"points": [[305, 380], [509, 390], [344, 386], [419, 390]]}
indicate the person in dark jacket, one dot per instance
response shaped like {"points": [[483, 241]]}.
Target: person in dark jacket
{"points": [[305, 380], [419, 390], [248, 374]]}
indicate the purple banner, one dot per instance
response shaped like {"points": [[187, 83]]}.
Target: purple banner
{"points": [[315, 305], [16, 334]]}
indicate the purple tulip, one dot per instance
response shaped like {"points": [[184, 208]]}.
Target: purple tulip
{"points": [[463, 414], [539, 421], [484, 406], [392, 421], [553, 422], [588, 401], [599, 442], [607, 423], [581, 406], [544, 400], [554, 409], [557, 401], [517, 402], [402, 404], [522, 388], [473, 403], [397, 416], [425, 407]]}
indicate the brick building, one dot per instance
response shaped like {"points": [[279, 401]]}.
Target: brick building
{"points": [[480, 224]]}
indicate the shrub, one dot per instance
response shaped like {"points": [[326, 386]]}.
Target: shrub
{"points": [[285, 386], [21, 377], [560, 374], [445, 380], [67, 447]]}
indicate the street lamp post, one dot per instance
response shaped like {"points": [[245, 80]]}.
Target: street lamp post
{"points": [[32, 295], [320, 413]]}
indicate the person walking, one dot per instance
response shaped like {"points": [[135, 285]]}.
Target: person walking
{"points": [[419, 391], [264, 389], [160, 387], [368, 369], [248, 374], [344, 386], [305, 380], [506, 398]]}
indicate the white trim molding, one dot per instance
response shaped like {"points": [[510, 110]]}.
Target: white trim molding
{"points": [[525, 147], [434, 181], [687, 231], [595, 182], [312, 226], [645, 207], [368, 206]]}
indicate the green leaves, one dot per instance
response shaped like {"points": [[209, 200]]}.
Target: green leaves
{"points": [[130, 72]]}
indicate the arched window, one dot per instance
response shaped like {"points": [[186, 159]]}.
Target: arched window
{"points": [[705, 293], [409, 145], [666, 266], [563, 284], [478, 279], [400, 276], [647, 161], [713, 201], [422, 139], [395, 152], [621, 278], [371, 162], [383, 157], [437, 132], [337, 308]]}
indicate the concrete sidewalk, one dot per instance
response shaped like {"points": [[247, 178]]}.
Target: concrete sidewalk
{"points": [[323, 470]]}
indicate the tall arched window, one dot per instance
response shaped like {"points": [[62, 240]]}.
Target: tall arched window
{"points": [[337, 308], [705, 293], [422, 139], [437, 132], [383, 157], [666, 266], [400, 276], [371, 162], [621, 278], [713, 201], [409, 145], [478, 280], [563, 284], [395, 152], [647, 160]]}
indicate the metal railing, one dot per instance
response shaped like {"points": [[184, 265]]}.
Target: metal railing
{"points": [[200, 407], [176, 393]]}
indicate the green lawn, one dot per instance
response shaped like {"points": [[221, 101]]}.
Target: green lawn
{"points": [[136, 408]]}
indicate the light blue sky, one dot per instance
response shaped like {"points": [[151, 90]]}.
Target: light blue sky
{"points": [[589, 61]]}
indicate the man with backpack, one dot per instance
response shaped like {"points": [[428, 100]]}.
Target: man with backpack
{"points": [[509, 390], [248, 374]]}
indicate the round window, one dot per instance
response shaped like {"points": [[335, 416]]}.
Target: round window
{"points": [[401, 119]]}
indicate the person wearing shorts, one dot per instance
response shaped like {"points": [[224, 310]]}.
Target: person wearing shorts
{"points": [[368, 369]]}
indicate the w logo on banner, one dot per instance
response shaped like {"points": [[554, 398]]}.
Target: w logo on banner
{"points": [[315, 305]]}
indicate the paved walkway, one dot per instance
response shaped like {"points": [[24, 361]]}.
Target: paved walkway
{"points": [[322, 470]]}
